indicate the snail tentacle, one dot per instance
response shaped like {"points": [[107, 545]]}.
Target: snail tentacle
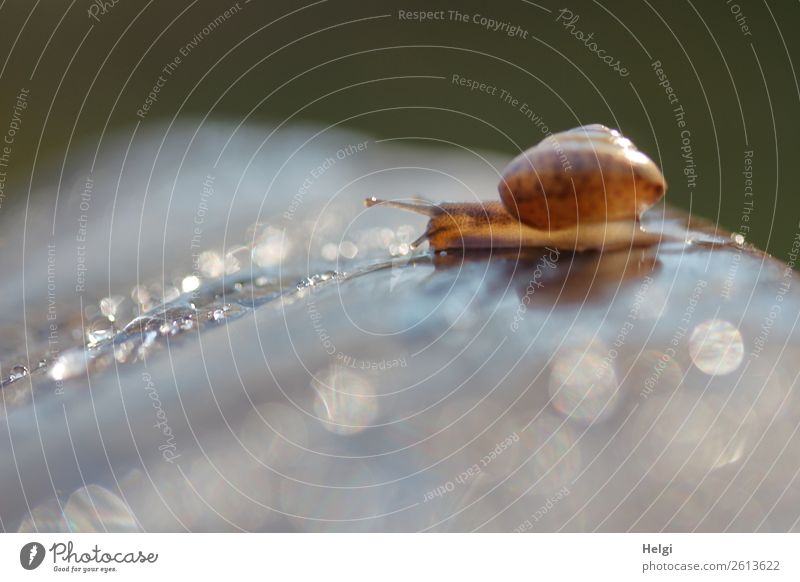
{"points": [[426, 208]]}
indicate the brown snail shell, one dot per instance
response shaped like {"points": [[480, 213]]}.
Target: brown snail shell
{"points": [[588, 174]]}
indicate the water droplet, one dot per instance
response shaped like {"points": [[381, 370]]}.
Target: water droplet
{"points": [[271, 248], [348, 250], [224, 311], [69, 365], [18, 372], [190, 283], [110, 305], [232, 263], [345, 402], [99, 330], [251, 295], [166, 321], [583, 384], [210, 264], [168, 328], [738, 238], [314, 280], [716, 347]]}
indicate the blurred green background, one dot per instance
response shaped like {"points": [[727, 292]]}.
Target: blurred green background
{"points": [[361, 64]]}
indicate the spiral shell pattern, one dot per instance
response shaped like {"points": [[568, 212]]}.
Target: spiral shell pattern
{"points": [[586, 174]]}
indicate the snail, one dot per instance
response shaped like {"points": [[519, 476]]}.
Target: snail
{"points": [[581, 189]]}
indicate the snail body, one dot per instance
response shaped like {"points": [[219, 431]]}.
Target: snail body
{"points": [[581, 189]]}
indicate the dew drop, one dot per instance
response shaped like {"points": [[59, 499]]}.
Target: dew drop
{"points": [[348, 250], [190, 283], [109, 306], [314, 280], [224, 311], [99, 330], [168, 328], [271, 248], [583, 386], [232, 264], [68, 365], [345, 401], [211, 264], [716, 347], [18, 372]]}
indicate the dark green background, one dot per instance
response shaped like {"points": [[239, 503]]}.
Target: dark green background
{"points": [[739, 92]]}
